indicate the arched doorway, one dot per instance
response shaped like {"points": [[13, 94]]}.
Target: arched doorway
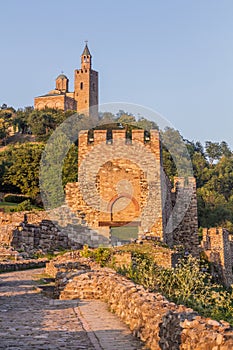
{"points": [[124, 209]]}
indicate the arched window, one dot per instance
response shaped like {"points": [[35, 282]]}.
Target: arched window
{"points": [[81, 85]]}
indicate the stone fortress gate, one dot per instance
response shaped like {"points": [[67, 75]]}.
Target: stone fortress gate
{"points": [[123, 192]]}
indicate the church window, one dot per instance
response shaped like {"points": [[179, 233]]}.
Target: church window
{"points": [[81, 85]]}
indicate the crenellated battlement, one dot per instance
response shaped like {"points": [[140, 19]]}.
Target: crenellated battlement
{"points": [[137, 135], [88, 139]]}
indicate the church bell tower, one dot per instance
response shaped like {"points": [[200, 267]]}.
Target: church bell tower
{"points": [[86, 86]]}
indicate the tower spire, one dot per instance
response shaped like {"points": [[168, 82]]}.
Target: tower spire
{"points": [[86, 57]]}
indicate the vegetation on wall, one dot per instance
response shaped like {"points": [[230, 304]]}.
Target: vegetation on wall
{"points": [[189, 283]]}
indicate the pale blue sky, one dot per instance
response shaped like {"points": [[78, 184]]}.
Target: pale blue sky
{"points": [[173, 56]]}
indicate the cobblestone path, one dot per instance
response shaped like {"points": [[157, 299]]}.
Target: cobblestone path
{"points": [[29, 320]]}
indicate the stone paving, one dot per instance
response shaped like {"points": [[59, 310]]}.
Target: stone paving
{"points": [[30, 320]]}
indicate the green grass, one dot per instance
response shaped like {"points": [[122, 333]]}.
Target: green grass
{"points": [[7, 206]]}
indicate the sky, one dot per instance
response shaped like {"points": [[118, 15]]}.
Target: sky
{"points": [[172, 56]]}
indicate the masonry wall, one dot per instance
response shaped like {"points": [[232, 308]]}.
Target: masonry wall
{"points": [[156, 321], [86, 90], [47, 231], [217, 247], [120, 182], [56, 101], [184, 217], [9, 221], [44, 237], [124, 182]]}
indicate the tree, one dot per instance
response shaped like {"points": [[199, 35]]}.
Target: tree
{"points": [[225, 149], [70, 167], [22, 168], [175, 145], [52, 176], [213, 151], [146, 124]]}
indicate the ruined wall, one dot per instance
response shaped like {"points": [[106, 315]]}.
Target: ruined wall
{"points": [[184, 217], [9, 221], [7, 266], [44, 237], [156, 321], [14, 231], [217, 247]]}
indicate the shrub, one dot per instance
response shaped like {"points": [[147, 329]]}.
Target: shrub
{"points": [[188, 283], [25, 205], [86, 252], [101, 255]]}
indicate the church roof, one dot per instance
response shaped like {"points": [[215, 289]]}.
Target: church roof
{"points": [[62, 76], [86, 51]]}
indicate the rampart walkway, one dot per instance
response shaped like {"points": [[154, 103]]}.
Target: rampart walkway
{"points": [[29, 320]]}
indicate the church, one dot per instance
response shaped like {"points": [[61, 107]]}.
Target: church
{"points": [[85, 94]]}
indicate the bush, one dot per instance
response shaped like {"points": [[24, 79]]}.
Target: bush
{"points": [[14, 198], [24, 206], [188, 283], [101, 255]]}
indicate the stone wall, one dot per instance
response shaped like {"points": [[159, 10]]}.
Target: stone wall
{"points": [[9, 221], [22, 265], [156, 321], [41, 226], [44, 237], [38, 231], [217, 246], [123, 183], [119, 182], [185, 233], [57, 100]]}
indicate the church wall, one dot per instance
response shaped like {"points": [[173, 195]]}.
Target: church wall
{"points": [[56, 101]]}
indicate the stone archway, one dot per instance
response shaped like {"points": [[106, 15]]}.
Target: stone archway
{"points": [[123, 207]]}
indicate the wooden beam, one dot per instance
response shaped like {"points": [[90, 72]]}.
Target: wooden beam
{"points": [[120, 223]]}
